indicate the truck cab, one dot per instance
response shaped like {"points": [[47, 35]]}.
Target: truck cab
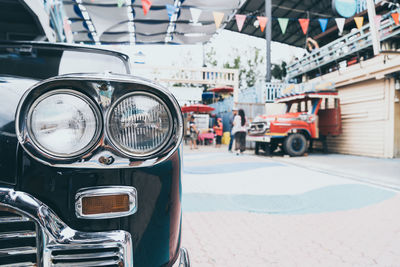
{"points": [[312, 113]]}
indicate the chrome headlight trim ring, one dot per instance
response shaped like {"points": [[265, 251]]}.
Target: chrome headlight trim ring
{"points": [[120, 147], [51, 154]]}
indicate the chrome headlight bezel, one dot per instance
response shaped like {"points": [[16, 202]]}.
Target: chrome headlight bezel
{"points": [[117, 145], [77, 94], [103, 91]]}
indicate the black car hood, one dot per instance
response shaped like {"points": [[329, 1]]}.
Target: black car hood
{"points": [[11, 90]]}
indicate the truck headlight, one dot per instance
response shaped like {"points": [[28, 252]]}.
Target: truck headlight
{"points": [[63, 123], [140, 124]]}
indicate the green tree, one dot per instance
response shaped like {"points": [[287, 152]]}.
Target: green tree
{"points": [[210, 58], [279, 71], [249, 63]]}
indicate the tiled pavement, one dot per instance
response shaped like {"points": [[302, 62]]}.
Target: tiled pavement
{"points": [[254, 211]]}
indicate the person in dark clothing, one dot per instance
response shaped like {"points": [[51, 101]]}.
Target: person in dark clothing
{"points": [[234, 111], [193, 133]]}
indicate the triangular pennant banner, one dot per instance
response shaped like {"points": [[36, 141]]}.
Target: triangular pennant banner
{"points": [[146, 4], [240, 19], [304, 25], [395, 17], [323, 23], [170, 10], [378, 22], [340, 24], [218, 16], [120, 3], [195, 14], [263, 22], [283, 22], [359, 22]]}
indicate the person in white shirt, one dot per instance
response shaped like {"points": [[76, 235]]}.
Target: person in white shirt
{"points": [[239, 130]]}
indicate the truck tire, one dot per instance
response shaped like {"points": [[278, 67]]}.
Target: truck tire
{"points": [[295, 145], [257, 148]]}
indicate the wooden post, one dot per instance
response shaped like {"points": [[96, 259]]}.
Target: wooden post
{"points": [[374, 31], [268, 32], [235, 87]]}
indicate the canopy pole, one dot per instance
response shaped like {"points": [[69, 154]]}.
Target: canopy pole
{"points": [[268, 32], [372, 26]]}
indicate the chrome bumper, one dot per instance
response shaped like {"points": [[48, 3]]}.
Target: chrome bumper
{"points": [[184, 260], [259, 138], [53, 243]]}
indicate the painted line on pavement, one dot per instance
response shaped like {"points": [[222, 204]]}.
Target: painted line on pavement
{"points": [[326, 199]]}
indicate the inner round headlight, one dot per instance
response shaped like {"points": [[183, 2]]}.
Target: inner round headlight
{"points": [[63, 123], [140, 124]]}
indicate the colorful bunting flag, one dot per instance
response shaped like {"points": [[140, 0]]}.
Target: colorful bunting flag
{"points": [[146, 4], [359, 22], [170, 10], [323, 23], [304, 24], [283, 22], [340, 24], [195, 14], [263, 22], [240, 19], [120, 3], [395, 17], [218, 16], [378, 22]]}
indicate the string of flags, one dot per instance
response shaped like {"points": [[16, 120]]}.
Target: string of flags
{"points": [[304, 23], [262, 21]]}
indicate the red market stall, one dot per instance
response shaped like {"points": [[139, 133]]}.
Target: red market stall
{"points": [[198, 108]]}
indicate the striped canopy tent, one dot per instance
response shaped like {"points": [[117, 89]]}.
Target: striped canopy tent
{"points": [[125, 21]]}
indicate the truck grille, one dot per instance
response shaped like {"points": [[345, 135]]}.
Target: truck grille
{"points": [[109, 257], [257, 128], [17, 240]]}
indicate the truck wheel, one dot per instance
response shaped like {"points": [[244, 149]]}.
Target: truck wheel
{"points": [[295, 145], [257, 148]]}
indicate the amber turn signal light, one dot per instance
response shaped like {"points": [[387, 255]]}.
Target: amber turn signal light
{"points": [[105, 204]]}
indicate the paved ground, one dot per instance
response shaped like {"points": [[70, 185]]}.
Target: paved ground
{"points": [[261, 211]]}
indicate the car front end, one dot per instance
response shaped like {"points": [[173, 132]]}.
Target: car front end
{"points": [[91, 172]]}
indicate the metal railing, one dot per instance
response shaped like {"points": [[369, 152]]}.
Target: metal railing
{"points": [[273, 90], [347, 45], [211, 76]]}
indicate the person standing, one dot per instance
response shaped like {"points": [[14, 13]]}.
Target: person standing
{"points": [[218, 132], [193, 133], [239, 130], [234, 111]]}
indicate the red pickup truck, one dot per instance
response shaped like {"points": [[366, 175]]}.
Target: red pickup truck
{"points": [[309, 116]]}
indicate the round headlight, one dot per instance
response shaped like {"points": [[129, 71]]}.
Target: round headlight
{"points": [[63, 123], [140, 124]]}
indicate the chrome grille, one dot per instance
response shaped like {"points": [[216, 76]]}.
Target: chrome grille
{"points": [[85, 257], [257, 128], [17, 240]]}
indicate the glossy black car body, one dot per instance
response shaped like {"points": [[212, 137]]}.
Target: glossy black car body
{"points": [[38, 194]]}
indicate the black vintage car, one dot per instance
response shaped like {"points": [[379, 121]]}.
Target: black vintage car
{"points": [[90, 163]]}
